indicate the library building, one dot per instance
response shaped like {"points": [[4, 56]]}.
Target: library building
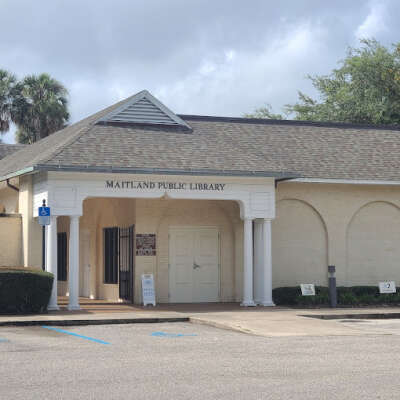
{"points": [[217, 209]]}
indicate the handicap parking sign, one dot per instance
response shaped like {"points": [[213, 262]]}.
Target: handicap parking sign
{"points": [[44, 215]]}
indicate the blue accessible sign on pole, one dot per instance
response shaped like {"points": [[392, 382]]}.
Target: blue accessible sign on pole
{"points": [[44, 215]]}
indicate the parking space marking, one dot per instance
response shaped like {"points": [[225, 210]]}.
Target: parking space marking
{"points": [[75, 334], [172, 335]]}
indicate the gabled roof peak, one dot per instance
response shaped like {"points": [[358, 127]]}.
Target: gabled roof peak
{"points": [[144, 109]]}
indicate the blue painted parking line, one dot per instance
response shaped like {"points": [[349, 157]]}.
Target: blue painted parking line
{"points": [[75, 334], [2, 340], [172, 335]]}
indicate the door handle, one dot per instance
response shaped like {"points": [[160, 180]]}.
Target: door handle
{"points": [[195, 266]]}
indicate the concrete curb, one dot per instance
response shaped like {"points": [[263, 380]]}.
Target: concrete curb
{"points": [[220, 325], [353, 316], [80, 322]]}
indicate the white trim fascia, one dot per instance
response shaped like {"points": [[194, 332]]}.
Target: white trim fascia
{"points": [[345, 181], [17, 173]]}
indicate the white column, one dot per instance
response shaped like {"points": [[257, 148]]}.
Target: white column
{"points": [[248, 264], [51, 260], [266, 299], [258, 261], [73, 278]]}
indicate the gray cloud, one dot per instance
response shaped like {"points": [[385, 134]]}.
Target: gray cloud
{"points": [[200, 56]]}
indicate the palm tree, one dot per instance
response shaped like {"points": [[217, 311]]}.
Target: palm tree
{"points": [[7, 92], [39, 107]]}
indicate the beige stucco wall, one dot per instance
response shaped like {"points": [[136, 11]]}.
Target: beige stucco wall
{"points": [[300, 245], [9, 198], [373, 244], [31, 230], [354, 227], [10, 241]]}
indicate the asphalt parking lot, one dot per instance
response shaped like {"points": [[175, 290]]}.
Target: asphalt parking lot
{"points": [[189, 361]]}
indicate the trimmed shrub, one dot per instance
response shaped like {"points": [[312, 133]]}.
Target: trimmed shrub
{"points": [[347, 296], [24, 290], [287, 296], [291, 296], [321, 297], [360, 291], [389, 298], [367, 299]]}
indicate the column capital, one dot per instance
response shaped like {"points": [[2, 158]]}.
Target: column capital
{"points": [[248, 218]]}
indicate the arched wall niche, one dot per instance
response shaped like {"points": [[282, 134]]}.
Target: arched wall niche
{"points": [[299, 245], [372, 244]]}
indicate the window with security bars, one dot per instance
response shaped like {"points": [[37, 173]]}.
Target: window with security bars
{"points": [[111, 236], [62, 256]]}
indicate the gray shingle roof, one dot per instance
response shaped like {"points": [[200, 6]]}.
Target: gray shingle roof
{"points": [[7, 149], [236, 146]]}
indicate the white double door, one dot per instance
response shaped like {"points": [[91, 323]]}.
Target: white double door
{"points": [[193, 265]]}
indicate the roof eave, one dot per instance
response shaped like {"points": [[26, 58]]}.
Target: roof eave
{"points": [[161, 171], [17, 173]]}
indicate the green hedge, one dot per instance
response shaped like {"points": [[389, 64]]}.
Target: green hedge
{"points": [[24, 290], [346, 296]]}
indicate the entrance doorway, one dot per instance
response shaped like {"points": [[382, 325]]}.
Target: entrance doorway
{"points": [[193, 265], [126, 257], [119, 260]]}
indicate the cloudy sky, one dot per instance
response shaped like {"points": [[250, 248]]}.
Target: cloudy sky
{"points": [[210, 57]]}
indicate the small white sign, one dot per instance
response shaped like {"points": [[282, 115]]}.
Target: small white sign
{"points": [[387, 287], [307, 289], [148, 292]]}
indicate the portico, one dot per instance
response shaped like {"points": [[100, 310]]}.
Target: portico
{"points": [[247, 280]]}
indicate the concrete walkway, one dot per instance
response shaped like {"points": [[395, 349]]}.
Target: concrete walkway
{"points": [[269, 322], [279, 322]]}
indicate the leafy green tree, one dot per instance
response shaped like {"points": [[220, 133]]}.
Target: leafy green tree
{"points": [[23, 137], [40, 107], [7, 92], [364, 90], [264, 112]]}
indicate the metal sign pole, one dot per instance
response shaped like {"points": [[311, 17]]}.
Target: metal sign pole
{"points": [[44, 242], [332, 285]]}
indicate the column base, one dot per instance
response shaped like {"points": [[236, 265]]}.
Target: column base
{"points": [[74, 308], [53, 308], [247, 304], [267, 304]]}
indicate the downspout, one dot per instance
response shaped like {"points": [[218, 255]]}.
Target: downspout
{"points": [[11, 186], [281, 180]]}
